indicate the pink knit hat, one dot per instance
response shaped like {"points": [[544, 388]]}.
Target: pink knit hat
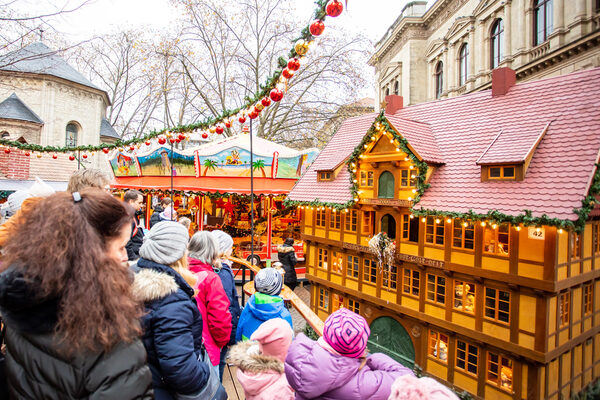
{"points": [[408, 387], [274, 337], [347, 333]]}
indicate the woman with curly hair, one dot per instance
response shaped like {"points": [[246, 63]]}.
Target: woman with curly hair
{"points": [[72, 325]]}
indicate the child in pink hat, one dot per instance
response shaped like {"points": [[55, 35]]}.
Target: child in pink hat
{"points": [[411, 388], [260, 361], [337, 367]]}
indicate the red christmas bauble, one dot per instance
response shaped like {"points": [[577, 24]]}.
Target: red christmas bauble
{"points": [[105, 150], [219, 129], [293, 64], [148, 143], [172, 140], [228, 123], [334, 8], [7, 150], [287, 74], [266, 101], [54, 156], [253, 114], [131, 148], [181, 136], [276, 94], [204, 135], [27, 153], [162, 140], [316, 27], [72, 157], [242, 119], [84, 155]]}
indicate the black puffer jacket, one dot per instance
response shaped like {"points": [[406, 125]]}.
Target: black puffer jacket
{"points": [[155, 218], [287, 257], [37, 369]]}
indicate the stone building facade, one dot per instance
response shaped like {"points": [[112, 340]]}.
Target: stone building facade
{"points": [[452, 47]]}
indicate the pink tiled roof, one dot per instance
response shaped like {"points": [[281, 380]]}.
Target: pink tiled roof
{"points": [[514, 146], [420, 137], [561, 168]]}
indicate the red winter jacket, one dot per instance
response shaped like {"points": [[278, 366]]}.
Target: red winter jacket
{"points": [[213, 304]]}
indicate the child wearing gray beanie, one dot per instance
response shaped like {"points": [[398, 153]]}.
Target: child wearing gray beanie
{"points": [[166, 243]]}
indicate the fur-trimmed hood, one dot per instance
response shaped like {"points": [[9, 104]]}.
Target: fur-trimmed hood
{"points": [[252, 361], [284, 248], [150, 285]]}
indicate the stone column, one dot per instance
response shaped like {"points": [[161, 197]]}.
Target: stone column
{"points": [[556, 37], [445, 86], [451, 68], [471, 52], [507, 34], [483, 44]]}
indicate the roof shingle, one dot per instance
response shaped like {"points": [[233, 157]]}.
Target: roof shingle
{"points": [[14, 108]]}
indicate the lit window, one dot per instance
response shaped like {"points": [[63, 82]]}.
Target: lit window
{"points": [[495, 239], [542, 17], [588, 298], [321, 218], [411, 282], [366, 178], [463, 234], [507, 173], [337, 302], [596, 236], [367, 223], [337, 262], [354, 306], [497, 42], [71, 135], [434, 231], [436, 289], [389, 277], [500, 371], [464, 296], [335, 220], [439, 79], [370, 271], [466, 357], [410, 228], [564, 308], [385, 189], [323, 258], [408, 178], [463, 64], [352, 267], [351, 221], [575, 248], [323, 299], [438, 346], [497, 305]]}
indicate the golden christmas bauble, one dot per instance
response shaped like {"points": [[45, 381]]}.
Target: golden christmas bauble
{"points": [[301, 47]]}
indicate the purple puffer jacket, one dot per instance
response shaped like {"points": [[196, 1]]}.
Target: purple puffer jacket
{"points": [[314, 372]]}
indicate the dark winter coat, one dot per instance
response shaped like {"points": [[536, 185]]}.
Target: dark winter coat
{"points": [[137, 238], [287, 257], [228, 282], [155, 218], [172, 330], [37, 368]]}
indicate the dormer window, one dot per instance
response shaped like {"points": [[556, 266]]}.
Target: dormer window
{"points": [[504, 172], [325, 175]]}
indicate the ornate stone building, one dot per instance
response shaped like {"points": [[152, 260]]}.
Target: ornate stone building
{"points": [[43, 100], [452, 47]]}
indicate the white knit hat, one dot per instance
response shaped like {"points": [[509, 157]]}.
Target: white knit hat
{"points": [[165, 243], [225, 241]]}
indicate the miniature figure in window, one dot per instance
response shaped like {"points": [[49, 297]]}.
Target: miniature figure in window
{"points": [[506, 377], [443, 351], [460, 290], [470, 303]]}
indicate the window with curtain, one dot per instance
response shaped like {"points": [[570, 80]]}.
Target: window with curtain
{"points": [[71, 135], [463, 62], [386, 186], [542, 20], [497, 43], [439, 79]]}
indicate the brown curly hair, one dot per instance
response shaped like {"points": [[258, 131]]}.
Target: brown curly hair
{"points": [[61, 246]]}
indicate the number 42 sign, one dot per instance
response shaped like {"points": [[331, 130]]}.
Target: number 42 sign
{"points": [[536, 233]]}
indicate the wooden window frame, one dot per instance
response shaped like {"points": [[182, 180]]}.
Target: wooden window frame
{"points": [[367, 222], [351, 221], [390, 283], [368, 180], [354, 305], [503, 176], [499, 364], [575, 246], [407, 181], [324, 176], [596, 238], [463, 229], [435, 235], [497, 235], [337, 262], [407, 231], [335, 220], [588, 299], [461, 302], [496, 308], [337, 302], [434, 348], [321, 219], [564, 308], [323, 303], [369, 271], [351, 262], [323, 259], [462, 355], [542, 6], [411, 282], [435, 293]]}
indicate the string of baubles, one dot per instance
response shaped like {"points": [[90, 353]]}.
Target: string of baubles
{"points": [[272, 91]]}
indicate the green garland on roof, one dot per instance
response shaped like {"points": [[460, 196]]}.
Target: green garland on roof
{"points": [[317, 203], [264, 90]]}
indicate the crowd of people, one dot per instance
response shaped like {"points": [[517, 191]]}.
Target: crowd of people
{"points": [[94, 308]]}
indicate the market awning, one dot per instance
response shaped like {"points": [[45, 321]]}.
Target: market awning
{"points": [[233, 185]]}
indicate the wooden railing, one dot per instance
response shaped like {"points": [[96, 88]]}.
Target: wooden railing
{"points": [[311, 318]]}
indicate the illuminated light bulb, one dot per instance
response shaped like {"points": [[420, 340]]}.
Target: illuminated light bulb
{"points": [[494, 226], [411, 216], [413, 176], [345, 210], [359, 192], [409, 199], [465, 224], [373, 138], [361, 156], [354, 180], [397, 149], [518, 228], [423, 219], [354, 170], [538, 229], [560, 230], [392, 141], [437, 221], [353, 164], [356, 199], [412, 167], [334, 210], [366, 146], [483, 223], [414, 190], [449, 220], [406, 158]]}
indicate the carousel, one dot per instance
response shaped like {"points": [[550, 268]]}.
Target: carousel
{"points": [[223, 185]]}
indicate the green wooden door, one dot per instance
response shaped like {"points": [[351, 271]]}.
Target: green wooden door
{"points": [[389, 337]]}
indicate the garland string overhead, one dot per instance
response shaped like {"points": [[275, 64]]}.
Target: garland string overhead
{"points": [[272, 90]]}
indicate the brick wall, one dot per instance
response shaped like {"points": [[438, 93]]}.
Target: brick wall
{"points": [[14, 165]]}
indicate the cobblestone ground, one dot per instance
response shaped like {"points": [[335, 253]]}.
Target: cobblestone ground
{"points": [[234, 390]]}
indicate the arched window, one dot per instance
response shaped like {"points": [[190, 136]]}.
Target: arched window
{"points": [[397, 88], [388, 225], [387, 91], [71, 135], [386, 185], [463, 64], [439, 80], [4, 135], [497, 43], [542, 15]]}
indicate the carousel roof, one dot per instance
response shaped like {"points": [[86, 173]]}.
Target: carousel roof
{"points": [[260, 147]]}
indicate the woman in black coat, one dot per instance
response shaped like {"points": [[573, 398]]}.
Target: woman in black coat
{"points": [[287, 257], [72, 325]]}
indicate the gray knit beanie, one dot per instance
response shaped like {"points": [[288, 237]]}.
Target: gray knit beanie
{"points": [[225, 241], [165, 243], [268, 281]]}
